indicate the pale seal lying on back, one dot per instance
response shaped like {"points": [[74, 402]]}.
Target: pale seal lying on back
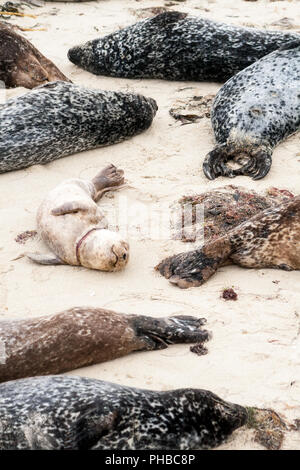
{"points": [[84, 336], [269, 239], [78, 413], [60, 119], [175, 46], [253, 112], [75, 229], [21, 64]]}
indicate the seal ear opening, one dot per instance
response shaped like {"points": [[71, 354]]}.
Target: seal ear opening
{"points": [[258, 164]]}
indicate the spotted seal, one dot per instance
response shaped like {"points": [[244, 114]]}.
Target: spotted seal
{"points": [[269, 239], [253, 112], [72, 225], [21, 64], [39, 346], [175, 46], [59, 119], [61, 412]]}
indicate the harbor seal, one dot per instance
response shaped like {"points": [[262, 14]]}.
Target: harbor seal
{"points": [[175, 46], [21, 64], [60, 119], [60, 413], [269, 239], [72, 225], [253, 112], [80, 337]]}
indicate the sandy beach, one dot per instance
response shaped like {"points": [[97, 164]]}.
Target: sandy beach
{"points": [[254, 356]]}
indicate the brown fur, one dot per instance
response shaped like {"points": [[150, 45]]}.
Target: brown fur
{"points": [[21, 64]]}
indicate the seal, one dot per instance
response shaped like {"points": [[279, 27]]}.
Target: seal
{"points": [[253, 112], [21, 64], [70, 222], [269, 239], [60, 413], [39, 346], [175, 46], [60, 119]]}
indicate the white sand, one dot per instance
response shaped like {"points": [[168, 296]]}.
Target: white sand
{"points": [[254, 357]]}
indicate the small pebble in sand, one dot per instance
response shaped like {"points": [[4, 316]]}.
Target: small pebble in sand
{"points": [[229, 294], [199, 349]]}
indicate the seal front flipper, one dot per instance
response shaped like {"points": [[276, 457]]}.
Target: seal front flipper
{"points": [[158, 333], [40, 258], [70, 207], [193, 268]]}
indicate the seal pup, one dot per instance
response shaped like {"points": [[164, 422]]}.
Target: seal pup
{"points": [[70, 222], [175, 46], [61, 412], [60, 119], [270, 239], [39, 346], [21, 64], [253, 112]]}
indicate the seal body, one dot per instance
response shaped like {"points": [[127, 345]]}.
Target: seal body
{"points": [[58, 412], [175, 46], [270, 239], [21, 64], [39, 346], [253, 112], [72, 225], [60, 119]]}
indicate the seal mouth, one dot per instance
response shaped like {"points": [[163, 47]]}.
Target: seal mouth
{"points": [[79, 243]]}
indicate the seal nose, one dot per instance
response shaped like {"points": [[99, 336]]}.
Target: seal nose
{"points": [[121, 254], [153, 104], [74, 55]]}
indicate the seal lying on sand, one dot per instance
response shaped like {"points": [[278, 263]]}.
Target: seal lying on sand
{"points": [[72, 225], [79, 413], [39, 346], [21, 64], [253, 112], [270, 239], [175, 46], [60, 119]]}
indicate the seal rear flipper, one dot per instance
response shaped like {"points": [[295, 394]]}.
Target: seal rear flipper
{"points": [[258, 164], [193, 268], [40, 258], [158, 333], [71, 207]]}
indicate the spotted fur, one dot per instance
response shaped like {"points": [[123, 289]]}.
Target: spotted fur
{"points": [[270, 239], [175, 46], [253, 112], [59, 119], [58, 412]]}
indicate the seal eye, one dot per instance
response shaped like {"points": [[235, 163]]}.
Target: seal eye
{"points": [[124, 256]]}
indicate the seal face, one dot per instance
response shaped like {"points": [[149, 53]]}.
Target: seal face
{"points": [[59, 412], [21, 64], [253, 112], [175, 46], [72, 225], [59, 119], [38, 346], [270, 239]]}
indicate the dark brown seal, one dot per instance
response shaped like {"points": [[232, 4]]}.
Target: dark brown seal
{"points": [[270, 239], [83, 336], [21, 64]]}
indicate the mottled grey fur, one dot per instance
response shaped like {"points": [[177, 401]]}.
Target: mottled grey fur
{"points": [[253, 112], [60, 119], [60, 412], [175, 46]]}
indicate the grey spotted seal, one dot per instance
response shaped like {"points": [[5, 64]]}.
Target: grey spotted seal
{"points": [[61, 412], [71, 224], [21, 64], [253, 112], [82, 336], [269, 239], [60, 119], [176, 46]]}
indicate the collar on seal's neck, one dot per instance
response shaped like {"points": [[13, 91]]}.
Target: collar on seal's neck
{"points": [[79, 243]]}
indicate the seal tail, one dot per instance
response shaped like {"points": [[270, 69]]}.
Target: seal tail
{"points": [[258, 164]]}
